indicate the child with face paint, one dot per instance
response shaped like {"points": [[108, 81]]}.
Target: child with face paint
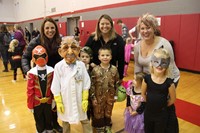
{"points": [[158, 91], [38, 90], [70, 87]]}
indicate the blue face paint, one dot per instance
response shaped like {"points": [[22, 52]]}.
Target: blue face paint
{"points": [[164, 63]]}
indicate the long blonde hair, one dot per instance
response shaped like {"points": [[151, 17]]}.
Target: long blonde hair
{"points": [[14, 43]]}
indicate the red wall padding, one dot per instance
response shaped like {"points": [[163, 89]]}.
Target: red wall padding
{"points": [[183, 30], [62, 27]]}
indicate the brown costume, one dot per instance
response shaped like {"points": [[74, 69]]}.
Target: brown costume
{"points": [[104, 84]]}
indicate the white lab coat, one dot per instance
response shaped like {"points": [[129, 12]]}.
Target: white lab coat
{"points": [[70, 81]]}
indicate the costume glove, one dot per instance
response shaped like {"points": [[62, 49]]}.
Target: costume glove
{"points": [[59, 104], [85, 95]]}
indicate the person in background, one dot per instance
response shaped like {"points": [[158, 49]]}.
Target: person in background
{"points": [[133, 115], [16, 53], [50, 40], [70, 87], [19, 35], [39, 96], [105, 35], [76, 33], [28, 35], [4, 45], [159, 92], [136, 36], [147, 26], [35, 33], [124, 29], [103, 92], [128, 48]]}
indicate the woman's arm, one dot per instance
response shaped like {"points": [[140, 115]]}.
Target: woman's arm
{"points": [[137, 67]]}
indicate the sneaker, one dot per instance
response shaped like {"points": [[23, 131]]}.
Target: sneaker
{"points": [[58, 128], [108, 129], [5, 70], [14, 81]]}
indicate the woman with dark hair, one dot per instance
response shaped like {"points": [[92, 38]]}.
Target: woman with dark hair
{"points": [[4, 45], [50, 39]]}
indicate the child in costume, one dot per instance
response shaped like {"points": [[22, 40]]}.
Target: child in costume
{"points": [[158, 91], [38, 90], [70, 87], [128, 47], [103, 92], [134, 118], [16, 56], [86, 57]]}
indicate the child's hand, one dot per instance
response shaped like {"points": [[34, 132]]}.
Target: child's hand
{"points": [[93, 65], [133, 113]]}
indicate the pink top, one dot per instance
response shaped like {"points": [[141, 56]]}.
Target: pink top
{"points": [[127, 52]]}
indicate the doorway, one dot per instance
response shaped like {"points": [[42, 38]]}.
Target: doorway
{"points": [[71, 23]]}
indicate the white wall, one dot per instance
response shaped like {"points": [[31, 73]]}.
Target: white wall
{"points": [[30, 9], [7, 13]]}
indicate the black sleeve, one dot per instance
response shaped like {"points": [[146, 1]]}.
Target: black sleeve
{"points": [[121, 56], [141, 108], [89, 41], [128, 101], [27, 56]]}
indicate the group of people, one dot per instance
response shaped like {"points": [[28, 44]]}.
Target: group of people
{"points": [[81, 84]]}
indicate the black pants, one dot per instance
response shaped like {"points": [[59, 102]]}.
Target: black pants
{"points": [[43, 117], [15, 73]]}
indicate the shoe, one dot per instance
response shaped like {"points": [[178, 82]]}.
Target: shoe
{"points": [[58, 128], [5, 70], [25, 79], [14, 81], [108, 129]]}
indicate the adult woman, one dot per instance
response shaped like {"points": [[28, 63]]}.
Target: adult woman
{"points": [[19, 35], [4, 46], [148, 28], [105, 35], [50, 40]]}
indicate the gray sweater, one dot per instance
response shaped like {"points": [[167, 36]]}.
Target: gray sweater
{"points": [[142, 63]]}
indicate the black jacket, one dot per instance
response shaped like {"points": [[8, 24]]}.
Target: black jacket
{"points": [[53, 58], [117, 47]]}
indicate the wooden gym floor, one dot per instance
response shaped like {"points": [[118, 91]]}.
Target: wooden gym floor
{"points": [[16, 118]]}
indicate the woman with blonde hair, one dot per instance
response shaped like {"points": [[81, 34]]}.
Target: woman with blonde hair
{"points": [[148, 28]]}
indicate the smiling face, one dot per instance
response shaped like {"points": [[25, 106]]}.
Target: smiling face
{"points": [[69, 50], [147, 32], [105, 56], [49, 30], [105, 26]]}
